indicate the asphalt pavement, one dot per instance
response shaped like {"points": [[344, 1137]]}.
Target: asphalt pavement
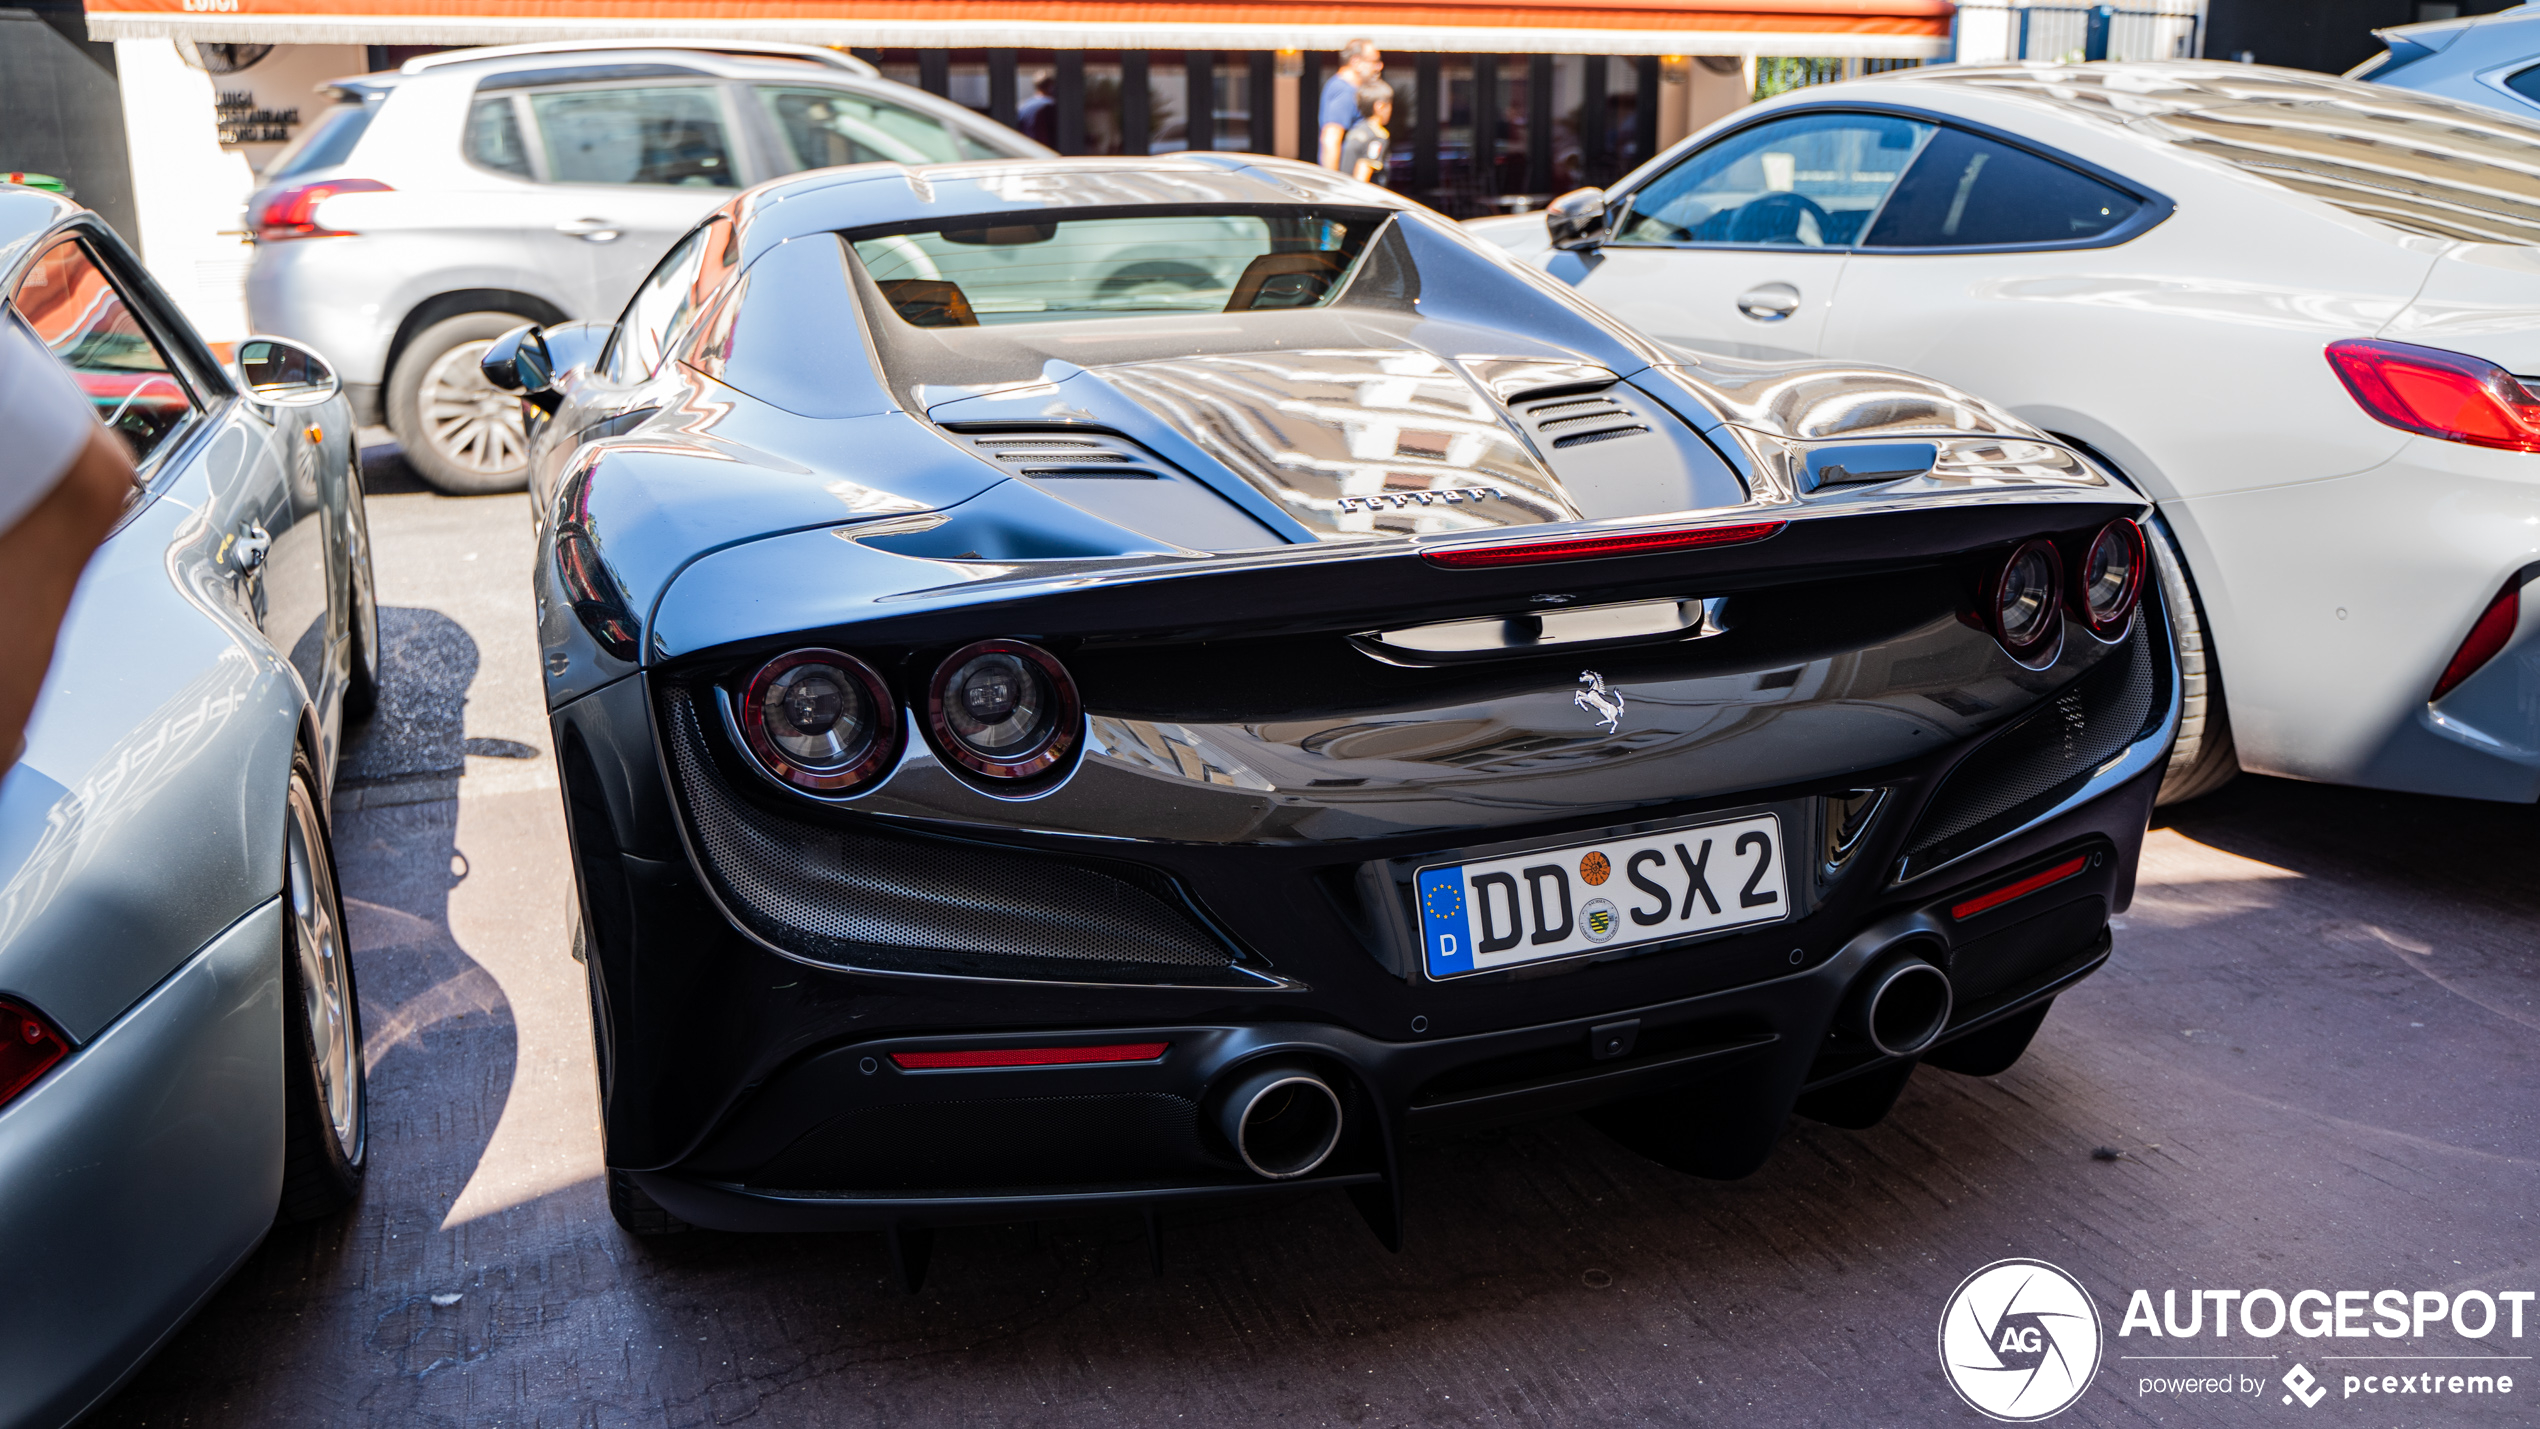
{"points": [[2313, 1062]]}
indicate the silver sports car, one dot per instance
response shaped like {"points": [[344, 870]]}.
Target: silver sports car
{"points": [[180, 1052]]}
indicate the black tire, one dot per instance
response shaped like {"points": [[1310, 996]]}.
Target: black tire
{"points": [[361, 689], [326, 1096], [2202, 759], [638, 1214], [477, 447]]}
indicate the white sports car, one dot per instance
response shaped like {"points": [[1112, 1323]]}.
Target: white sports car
{"points": [[2289, 308]]}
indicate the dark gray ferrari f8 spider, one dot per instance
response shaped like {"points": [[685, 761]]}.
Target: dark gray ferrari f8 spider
{"points": [[1099, 685]]}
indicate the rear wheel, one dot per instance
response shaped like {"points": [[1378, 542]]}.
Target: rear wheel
{"points": [[2202, 760], [461, 433], [326, 1103]]}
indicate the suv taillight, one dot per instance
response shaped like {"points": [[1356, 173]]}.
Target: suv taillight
{"points": [[292, 213]]}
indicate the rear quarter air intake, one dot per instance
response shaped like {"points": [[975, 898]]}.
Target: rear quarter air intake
{"points": [[895, 903], [2041, 758]]}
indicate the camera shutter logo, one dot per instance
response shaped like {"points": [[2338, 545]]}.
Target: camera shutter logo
{"points": [[2020, 1340]]}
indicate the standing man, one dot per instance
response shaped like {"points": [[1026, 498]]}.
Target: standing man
{"points": [[1361, 62], [63, 481], [1038, 118]]}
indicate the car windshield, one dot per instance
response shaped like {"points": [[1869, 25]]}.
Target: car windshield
{"points": [[1016, 271], [2414, 162]]}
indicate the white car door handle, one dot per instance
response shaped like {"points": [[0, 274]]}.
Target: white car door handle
{"points": [[1769, 303], [590, 230]]}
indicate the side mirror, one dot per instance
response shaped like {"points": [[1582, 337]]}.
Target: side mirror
{"points": [[519, 363], [572, 347], [280, 373], [1576, 219]]}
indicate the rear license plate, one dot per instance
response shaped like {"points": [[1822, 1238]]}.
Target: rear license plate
{"points": [[1595, 897]]}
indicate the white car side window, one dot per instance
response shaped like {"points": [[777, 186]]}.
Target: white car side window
{"points": [[825, 127], [493, 138], [660, 134], [1968, 191], [1809, 181]]}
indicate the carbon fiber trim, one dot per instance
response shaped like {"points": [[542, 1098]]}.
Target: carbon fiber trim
{"points": [[901, 903]]}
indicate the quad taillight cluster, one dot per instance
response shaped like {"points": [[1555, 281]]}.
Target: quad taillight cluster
{"points": [[2024, 602], [1003, 711]]}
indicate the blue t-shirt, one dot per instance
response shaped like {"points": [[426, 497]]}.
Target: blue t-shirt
{"points": [[1340, 102]]}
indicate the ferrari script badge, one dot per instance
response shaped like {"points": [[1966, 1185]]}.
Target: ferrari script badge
{"points": [[1592, 696]]}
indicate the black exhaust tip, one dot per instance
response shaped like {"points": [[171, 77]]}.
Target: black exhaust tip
{"points": [[1283, 1121]]}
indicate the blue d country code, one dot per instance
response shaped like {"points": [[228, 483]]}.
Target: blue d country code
{"points": [[1557, 903]]}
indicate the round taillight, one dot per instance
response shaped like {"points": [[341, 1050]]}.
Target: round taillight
{"points": [[2022, 607], [819, 720], [1004, 709], [2110, 580]]}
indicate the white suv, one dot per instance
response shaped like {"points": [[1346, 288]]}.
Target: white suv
{"points": [[434, 208]]}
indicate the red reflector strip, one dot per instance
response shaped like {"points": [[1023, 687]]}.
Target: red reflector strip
{"points": [[1590, 548], [1027, 1056], [28, 1048], [2021, 889], [2495, 626]]}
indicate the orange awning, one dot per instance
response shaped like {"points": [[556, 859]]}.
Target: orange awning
{"points": [[1903, 29]]}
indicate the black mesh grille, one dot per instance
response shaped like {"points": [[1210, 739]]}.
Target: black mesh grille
{"points": [[917, 904], [2041, 758]]}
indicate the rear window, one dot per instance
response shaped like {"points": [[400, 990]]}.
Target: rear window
{"points": [[327, 142], [2413, 162], [1016, 272]]}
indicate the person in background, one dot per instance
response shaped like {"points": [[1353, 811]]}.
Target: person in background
{"points": [[63, 481], [1363, 149], [1338, 109], [1038, 118]]}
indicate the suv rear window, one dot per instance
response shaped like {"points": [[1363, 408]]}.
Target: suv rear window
{"points": [[327, 142], [2424, 165]]}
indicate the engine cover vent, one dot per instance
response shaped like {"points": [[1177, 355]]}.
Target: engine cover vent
{"points": [[1065, 452], [1580, 418]]}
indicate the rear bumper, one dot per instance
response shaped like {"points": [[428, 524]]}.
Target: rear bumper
{"points": [[847, 1140], [2335, 605], [138, 1173]]}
